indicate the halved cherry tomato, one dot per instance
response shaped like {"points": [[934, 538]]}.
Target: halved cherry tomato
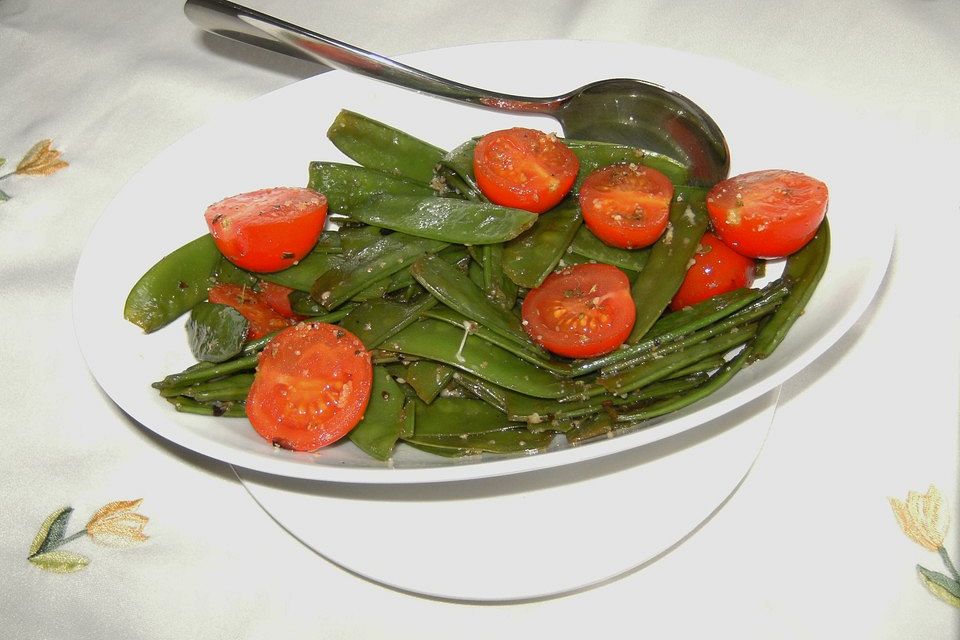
{"points": [[767, 214], [277, 298], [524, 168], [267, 230], [311, 387], [262, 318], [716, 269], [626, 205], [582, 311]]}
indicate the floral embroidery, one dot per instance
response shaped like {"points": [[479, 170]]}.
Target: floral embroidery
{"points": [[925, 520], [41, 160], [115, 524]]}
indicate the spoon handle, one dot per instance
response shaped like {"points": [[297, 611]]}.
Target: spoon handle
{"points": [[246, 25]]}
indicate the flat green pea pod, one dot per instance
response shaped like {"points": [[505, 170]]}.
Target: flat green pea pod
{"points": [[302, 275], [444, 219], [365, 267], [586, 244], [348, 185], [459, 162], [427, 378], [669, 259], [529, 258], [457, 291], [457, 416], [216, 332], [507, 441], [173, 285], [383, 421], [436, 340], [376, 145], [230, 388], [594, 155], [374, 321]]}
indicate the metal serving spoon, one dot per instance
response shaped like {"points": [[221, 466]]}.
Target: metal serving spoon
{"points": [[621, 110]]}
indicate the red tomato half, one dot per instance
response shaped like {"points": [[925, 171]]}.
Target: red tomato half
{"points": [[262, 318], [626, 205], [767, 214], [581, 311], [277, 298], [524, 169], [267, 230], [716, 269], [311, 387]]}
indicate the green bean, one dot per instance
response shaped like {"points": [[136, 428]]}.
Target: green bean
{"points": [[383, 421], [659, 368], [378, 146], [376, 320], [173, 285], [225, 409], [196, 375], [669, 258], [445, 219], [456, 291], [752, 312], [379, 260], [529, 258], [805, 267], [346, 186], [439, 341], [230, 388]]}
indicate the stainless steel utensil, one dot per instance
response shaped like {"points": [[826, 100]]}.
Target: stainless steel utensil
{"points": [[620, 110]]}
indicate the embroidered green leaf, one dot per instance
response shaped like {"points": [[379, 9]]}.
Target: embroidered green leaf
{"points": [[944, 587], [51, 531], [60, 561]]}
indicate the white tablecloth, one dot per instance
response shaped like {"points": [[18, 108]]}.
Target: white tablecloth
{"points": [[807, 547]]}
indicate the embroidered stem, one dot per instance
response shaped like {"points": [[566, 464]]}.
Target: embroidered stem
{"points": [[946, 561], [63, 541]]}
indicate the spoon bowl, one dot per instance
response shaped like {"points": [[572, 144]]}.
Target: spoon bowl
{"points": [[621, 110]]}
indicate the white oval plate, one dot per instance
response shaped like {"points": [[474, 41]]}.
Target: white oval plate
{"points": [[269, 141], [535, 535]]}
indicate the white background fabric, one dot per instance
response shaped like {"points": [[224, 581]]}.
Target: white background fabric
{"points": [[806, 548]]}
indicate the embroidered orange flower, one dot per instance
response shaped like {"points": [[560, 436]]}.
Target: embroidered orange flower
{"points": [[922, 517], [118, 523], [41, 160]]}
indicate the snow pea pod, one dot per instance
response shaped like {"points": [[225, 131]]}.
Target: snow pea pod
{"points": [[589, 245], [377, 433], [220, 409], [459, 161], [173, 285], [348, 185], [439, 341], [457, 416], [427, 378], [215, 332], [231, 388], [379, 146], [444, 219], [302, 275], [594, 155], [505, 442], [374, 321], [457, 291], [382, 259], [529, 258], [669, 258]]}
